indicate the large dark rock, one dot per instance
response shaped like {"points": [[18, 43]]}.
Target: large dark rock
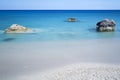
{"points": [[105, 26]]}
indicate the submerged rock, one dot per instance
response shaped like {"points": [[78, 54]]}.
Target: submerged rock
{"points": [[72, 20], [8, 39], [105, 26], [15, 28]]}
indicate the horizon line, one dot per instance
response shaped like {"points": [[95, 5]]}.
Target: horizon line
{"points": [[59, 9]]}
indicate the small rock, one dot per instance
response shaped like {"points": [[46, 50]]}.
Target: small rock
{"points": [[72, 20]]}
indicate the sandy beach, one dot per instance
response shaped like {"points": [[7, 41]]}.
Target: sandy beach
{"points": [[29, 58], [78, 72]]}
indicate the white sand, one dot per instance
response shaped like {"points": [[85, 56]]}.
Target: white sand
{"points": [[23, 59], [78, 72]]}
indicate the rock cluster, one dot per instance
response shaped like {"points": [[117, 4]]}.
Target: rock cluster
{"points": [[102, 26]]}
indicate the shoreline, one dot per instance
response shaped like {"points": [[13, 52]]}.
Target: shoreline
{"points": [[65, 40]]}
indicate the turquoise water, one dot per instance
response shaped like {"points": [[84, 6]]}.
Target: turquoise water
{"points": [[51, 25]]}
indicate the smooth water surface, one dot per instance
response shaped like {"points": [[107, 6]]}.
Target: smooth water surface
{"points": [[52, 24]]}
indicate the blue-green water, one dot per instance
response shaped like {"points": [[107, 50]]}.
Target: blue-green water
{"points": [[52, 24]]}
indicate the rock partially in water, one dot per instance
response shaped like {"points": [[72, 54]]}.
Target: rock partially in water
{"points": [[105, 25], [15, 28], [72, 20], [8, 39]]}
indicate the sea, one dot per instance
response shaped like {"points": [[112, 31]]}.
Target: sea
{"points": [[56, 43], [52, 25]]}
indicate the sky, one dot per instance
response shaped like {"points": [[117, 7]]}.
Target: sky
{"points": [[59, 4]]}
